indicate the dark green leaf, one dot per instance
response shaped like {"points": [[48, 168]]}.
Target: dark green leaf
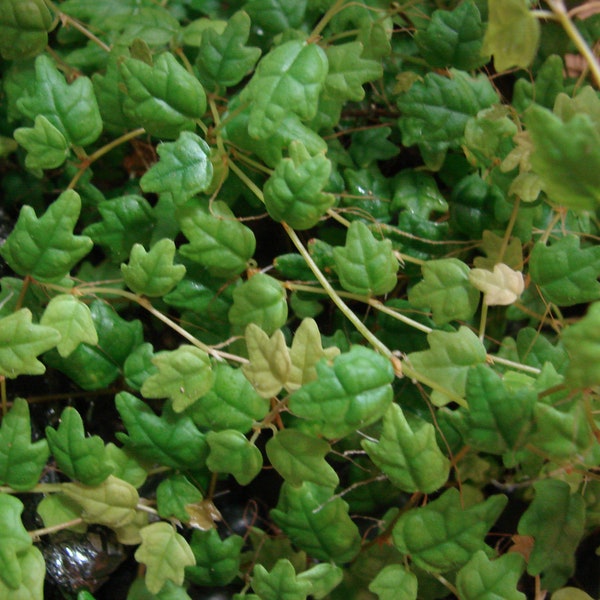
{"points": [[231, 452], [46, 146], [24, 28], [280, 583], [173, 494], [275, 16], [394, 582], [217, 560]]}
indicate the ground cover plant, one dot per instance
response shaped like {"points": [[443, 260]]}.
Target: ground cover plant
{"points": [[299, 299]]}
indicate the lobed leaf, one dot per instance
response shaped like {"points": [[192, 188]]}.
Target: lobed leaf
{"points": [[24, 28], [276, 16], [281, 583], [231, 452], [394, 582], [582, 342], [323, 577], [46, 146], [217, 560], [174, 494], [500, 287]]}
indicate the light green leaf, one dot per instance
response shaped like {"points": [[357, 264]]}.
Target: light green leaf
{"points": [[513, 34], [500, 287], [45, 247], [300, 457], [21, 341], [555, 519], [349, 394], [365, 265], [46, 146], [570, 593], [73, 320], [15, 542], [408, 453], [24, 28], [183, 168], [165, 554], [317, 523], [443, 535], [446, 290], [21, 461], [71, 108], [184, 375], [324, 577], [163, 98], [33, 567], [218, 241], [139, 591], [294, 193], [582, 340], [270, 363], [394, 582], [124, 466], [56, 509], [483, 578], [80, 457], [217, 560], [496, 251], [173, 494], [231, 452], [280, 583], [448, 360], [289, 78]]}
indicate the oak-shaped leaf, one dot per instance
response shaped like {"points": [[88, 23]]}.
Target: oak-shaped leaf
{"points": [[324, 577], [408, 453], [24, 28], [500, 287], [394, 582], [165, 554], [173, 494], [276, 16], [45, 247], [47, 147], [217, 560], [21, 461], [281, 582], [231, 452], [582, 341], [443, 535]]}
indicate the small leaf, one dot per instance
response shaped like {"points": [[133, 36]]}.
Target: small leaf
{"points": [[281, 583], [500, 287], [56, 509], [21, 341], [24, 28], [394, 582], [365, 265], [73, 320], [80, 457], [15, 542], [45, 247], [407, 452], [582, 341], [276, 16], [173, 494], [21, 461], [494, 247], [165, 554], [231, 452], [46, 146], [217, 560], [323, 577]]}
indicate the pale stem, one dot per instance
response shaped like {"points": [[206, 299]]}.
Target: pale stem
{"points": [[512, 364], [38, 533], [336, 8], [483, 319]]}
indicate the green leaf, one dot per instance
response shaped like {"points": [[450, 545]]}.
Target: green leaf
{"points": [[163, 98], [21, 341], [512, 35], [172, 440], [448, 360], [260, 300], [217, 560], [501, 286], [372, 145], [223, 58], [21, 461], [165, 554], [57, 509], [46, 146], [453, 38], [442, 535], [365, 265], [70, 108], [45, 247], [124, 466], [280, 583], [349, 394], [15, 542], [324, 577], [417, 192], [231, 403], [549, 83], [394, 582], [582, 342], [316, 522], [276, 16], [184, 375], [407, 452], [80, 457], [300, 457], [446, 290], [73, 320], [484, 578], [566, 157], [555, 519], [231, 452], [294, 193], [173, 494], [288, 79], [570, 593], [566, 273], [218, 241], [183, 168], [24, 28]]}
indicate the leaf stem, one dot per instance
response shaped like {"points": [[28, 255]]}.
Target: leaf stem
{"points": [[320, 26], [38, 533]]}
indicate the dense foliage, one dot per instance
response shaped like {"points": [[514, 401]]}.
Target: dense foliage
{"points": [[334, 262]]}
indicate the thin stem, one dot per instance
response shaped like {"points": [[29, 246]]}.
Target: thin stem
{"points": [[509, 230], [483, 319], [512, 364], [38, 533], [3, 394], [334, 10]]}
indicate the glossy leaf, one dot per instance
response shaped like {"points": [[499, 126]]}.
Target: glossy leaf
{"points": [[555, 519], [407, 452], [173, 494], [217, 560], [299, 457], [20, 343], [15, 542], [446, 290], [294, 192], [79, 457], [21, 461], [582, 341], [56, 509], [500, 287], [46, 146], [171, 440], [73, 320], [165, 554], [138, 366], [352, 392], [442, 535], [275, 16], [317, 523], [45, 247], [366, 265], [124, 466], [281, 583], [24, 28], [324, 577], [231, 452], [394, 582]]}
